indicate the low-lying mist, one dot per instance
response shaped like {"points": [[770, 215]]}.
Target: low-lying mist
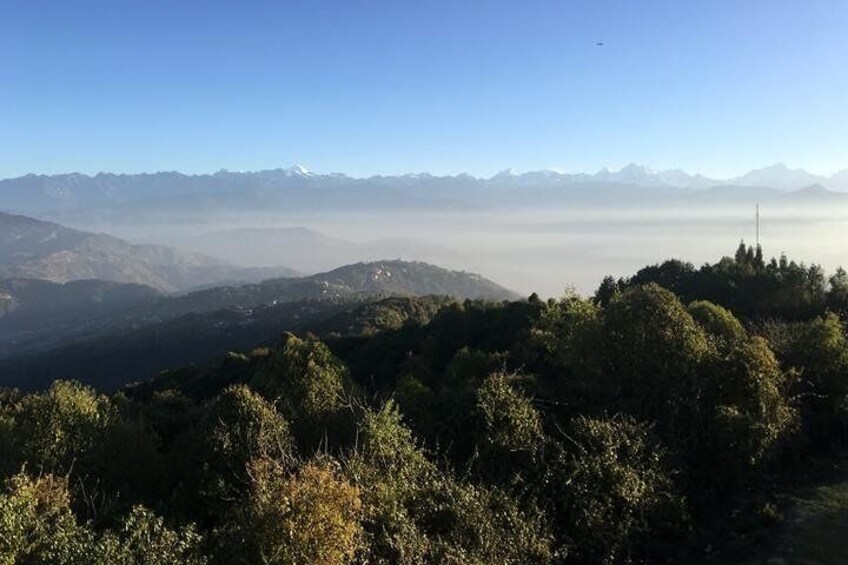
{"points": [[528, 250]]}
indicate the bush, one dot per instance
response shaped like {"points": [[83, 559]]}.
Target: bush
{"points": [[304, 376], [819, 353], [308, 384]]}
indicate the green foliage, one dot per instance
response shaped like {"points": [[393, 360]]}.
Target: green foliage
{"points": [[236, 427], [511, 422], [819, 353], [837, 297], [653, 348], [60, 429], [564, 334], [310, 386], [415, 513], [37, 525], [614, 493], [311, 516], [130, 468], [745, 284], [470, 524], [717, 321], [144, 539], [417, 400], [304, 376], [626, 428], [745, 412], [389, 446], [390, 469]]}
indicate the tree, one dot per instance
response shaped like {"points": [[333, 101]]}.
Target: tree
{"points": [[308, 383], [837, 296], [744, 413], [510, 421], [415, 513], [310, 516], [819, 352], [58, 431], [237, 427], [612, 493], [717, 321], [653, 349], [144, 539], [37, 525]]}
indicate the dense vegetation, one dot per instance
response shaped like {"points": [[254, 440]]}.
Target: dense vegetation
{"points": [[651, 423]]}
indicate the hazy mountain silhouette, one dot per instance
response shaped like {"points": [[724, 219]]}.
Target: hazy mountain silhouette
{"points": [[35, 249], [296, 188]]}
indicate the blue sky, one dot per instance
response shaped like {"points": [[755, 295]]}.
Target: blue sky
{"points": [[368, 87]]}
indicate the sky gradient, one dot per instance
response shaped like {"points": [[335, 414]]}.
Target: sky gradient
{"points": [[716, 87]]}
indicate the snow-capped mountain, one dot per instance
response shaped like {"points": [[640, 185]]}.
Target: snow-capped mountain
{"points": [[297, 188], [779, 176]]}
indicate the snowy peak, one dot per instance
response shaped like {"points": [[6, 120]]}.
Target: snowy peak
{"points": [[505, 174], [779, 176], [629, 174], [297, 171]]}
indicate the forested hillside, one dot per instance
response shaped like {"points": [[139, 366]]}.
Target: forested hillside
{"points": [[657, 421], [109, 334]]}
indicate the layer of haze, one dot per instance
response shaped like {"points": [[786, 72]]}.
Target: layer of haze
{"points": [[531, 251]]}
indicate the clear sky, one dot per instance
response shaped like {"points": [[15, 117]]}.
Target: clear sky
{"points": [[364, 87]]}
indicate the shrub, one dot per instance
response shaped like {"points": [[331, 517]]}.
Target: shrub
{"points": [[744, 412], [307, 382], [304, 376]]}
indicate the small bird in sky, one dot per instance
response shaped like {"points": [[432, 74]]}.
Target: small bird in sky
{"points": [[599, 43]]}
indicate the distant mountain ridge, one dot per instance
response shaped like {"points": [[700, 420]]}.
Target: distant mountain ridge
{"points": [[377, 278], [297, 188], [35, 249], [37, 314]]}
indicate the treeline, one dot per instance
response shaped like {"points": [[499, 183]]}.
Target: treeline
{"points": [[747, 284], [630, 427]]}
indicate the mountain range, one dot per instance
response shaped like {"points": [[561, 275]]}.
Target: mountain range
{"points": [[58, 283], [94, 330], [35, 249], [296, 188]]}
